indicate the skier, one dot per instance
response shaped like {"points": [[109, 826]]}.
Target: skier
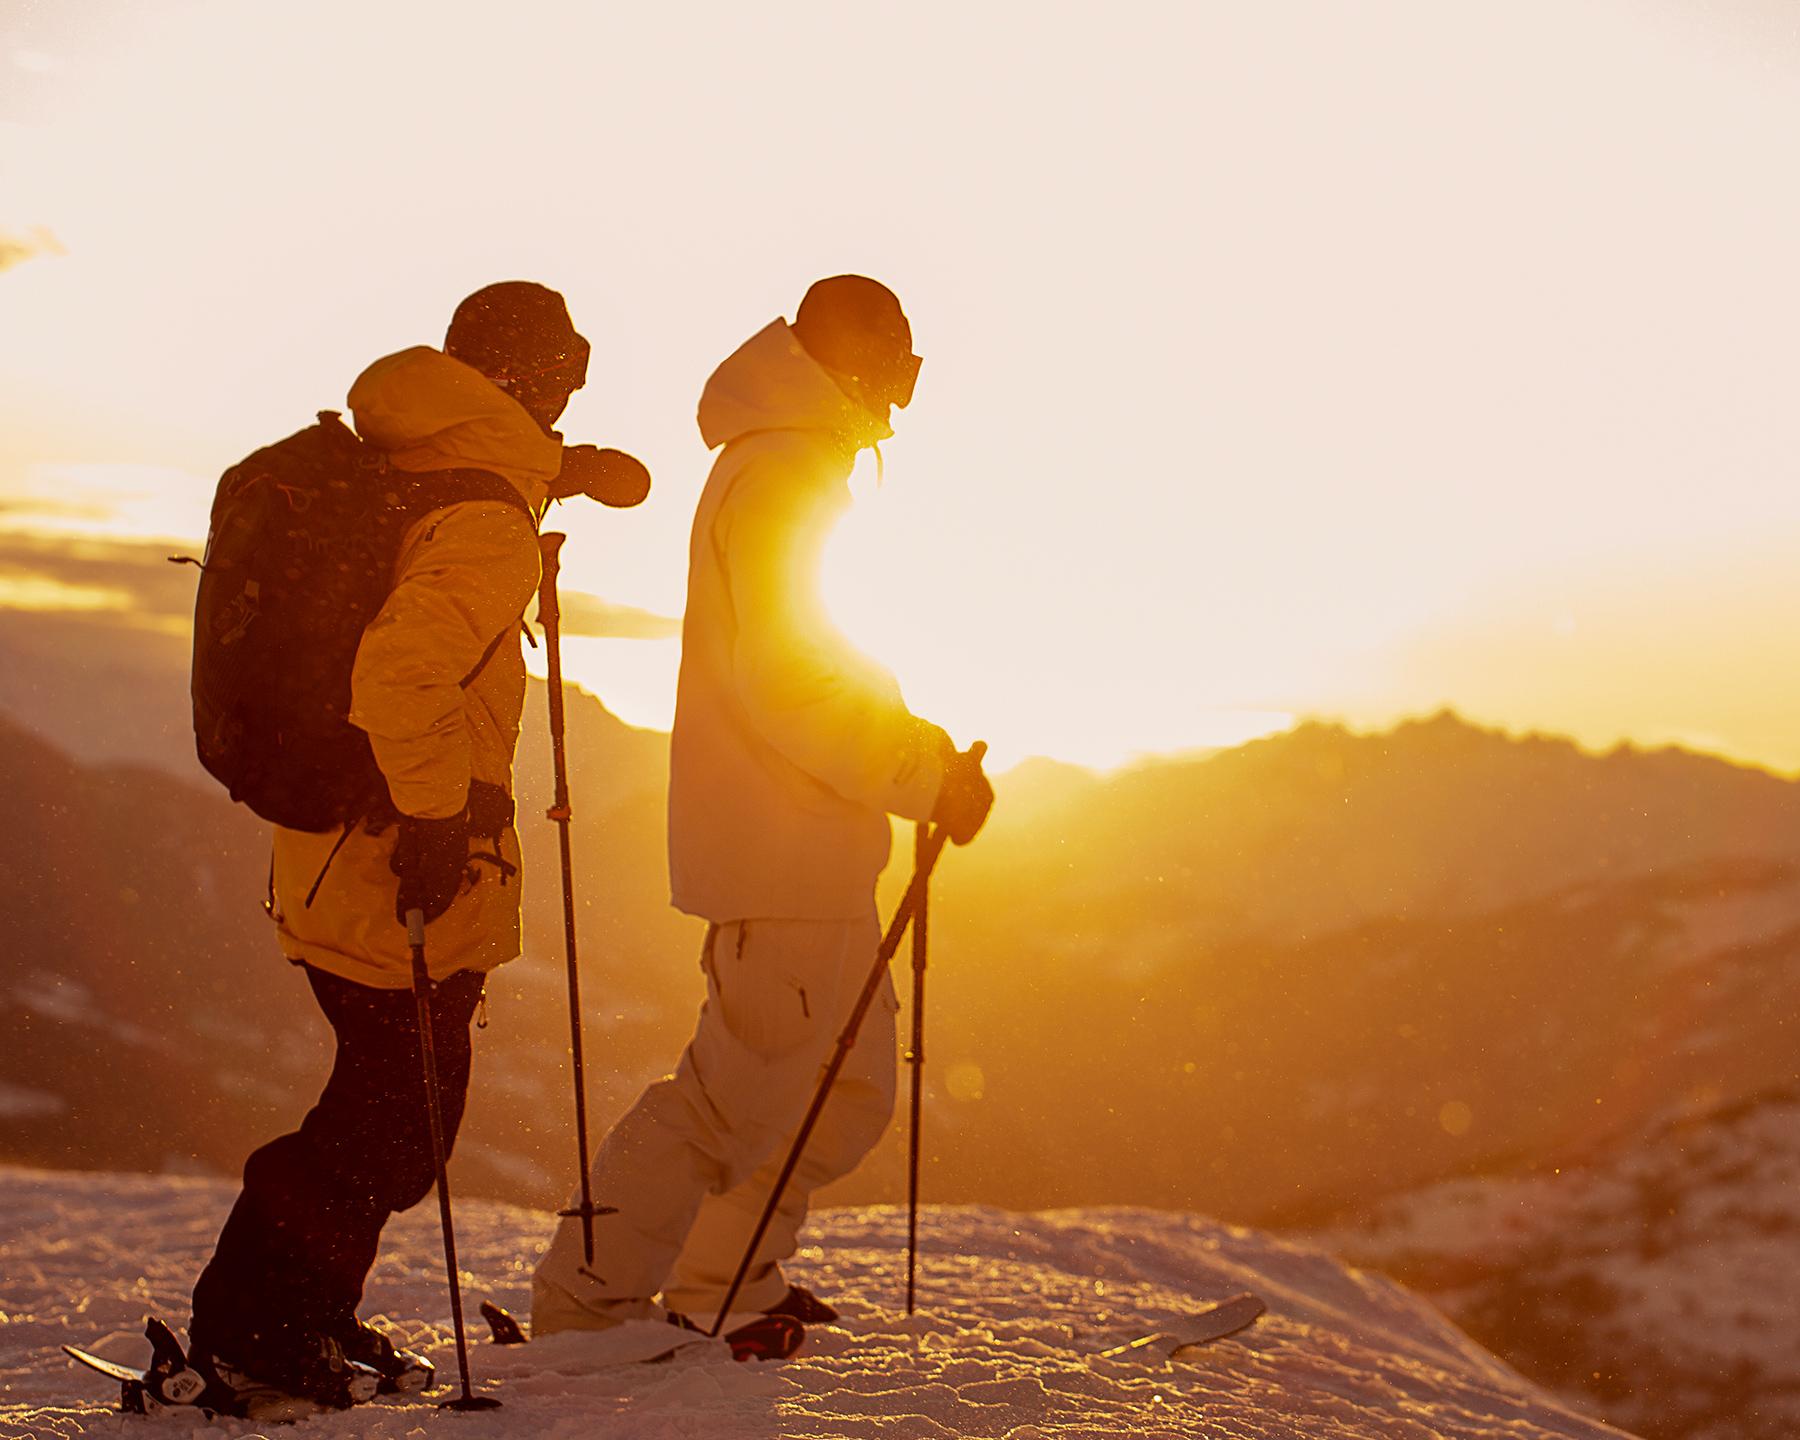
{"points": [[790, 751], [438, 690]]}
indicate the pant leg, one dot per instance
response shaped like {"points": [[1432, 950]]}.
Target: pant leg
{"points": [[299, 1242], [778, 992], [852, 1122], [383, 1161]]}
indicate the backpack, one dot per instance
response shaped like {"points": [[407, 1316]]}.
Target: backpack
{"points": [[299, 559]]}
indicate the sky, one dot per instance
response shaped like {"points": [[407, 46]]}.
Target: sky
{"points": [[1280, 360]]}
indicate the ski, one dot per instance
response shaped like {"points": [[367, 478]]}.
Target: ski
{"points": [[1219, 1322], [137, 1393], [769, 1337], [1215, 1322], [171, 1385], [168, 1383], [635, 1342]]}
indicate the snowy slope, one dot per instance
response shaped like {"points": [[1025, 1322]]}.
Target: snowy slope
{"points": [[1660, 1281], [1015, 1307]]}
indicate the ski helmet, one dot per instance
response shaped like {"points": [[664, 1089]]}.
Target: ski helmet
{"points": [[516, 330], [854, 325]]}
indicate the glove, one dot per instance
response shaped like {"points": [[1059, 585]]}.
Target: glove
{"points": [[965, 797], [610, 476], [429, 857], [490, 809]]}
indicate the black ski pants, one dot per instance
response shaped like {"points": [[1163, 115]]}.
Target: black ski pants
{"points": [[299, 1243]]}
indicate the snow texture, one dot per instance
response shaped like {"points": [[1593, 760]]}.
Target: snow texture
{"points": [[1014, 1309], [1662, 1281]]}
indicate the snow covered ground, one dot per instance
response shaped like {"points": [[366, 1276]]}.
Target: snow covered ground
{"points": [[1015, 1308], [1660, 1282]]}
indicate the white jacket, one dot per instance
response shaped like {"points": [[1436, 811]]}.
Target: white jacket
{"points": [[790, 747]]}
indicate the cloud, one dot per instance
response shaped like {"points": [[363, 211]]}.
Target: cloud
{"points": [[131, 582], [584, 614], [16, 249], [40, 592], [127, 583], [30, 509], [117, 501]]}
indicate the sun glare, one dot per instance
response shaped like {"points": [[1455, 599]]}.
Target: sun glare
{"points": [[964, 676]]}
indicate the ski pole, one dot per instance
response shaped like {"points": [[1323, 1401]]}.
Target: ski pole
{"points": [[415, 934], [903, 913], [550, 613], [915, 1057]]}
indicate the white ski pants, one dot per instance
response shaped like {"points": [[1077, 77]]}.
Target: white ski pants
{"points": [[690, 1166]]}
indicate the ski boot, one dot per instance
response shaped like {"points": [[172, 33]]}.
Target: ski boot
{"points": [[402, 1372], [770, 1337], [804, 1306], [290, 1379]]}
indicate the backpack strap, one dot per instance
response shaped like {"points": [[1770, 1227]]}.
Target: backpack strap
{"points": [[434, 489], [488, 654]]}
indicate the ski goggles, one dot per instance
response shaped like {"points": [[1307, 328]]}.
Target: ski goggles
{"points": [[905, 377], [890, 380], [571, 366]]}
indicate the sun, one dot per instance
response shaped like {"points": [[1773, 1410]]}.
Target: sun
{"points": [[975, 654]]}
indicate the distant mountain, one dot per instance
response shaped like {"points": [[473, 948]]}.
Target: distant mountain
{"points": [[137, 972], [1280, 1081], [1115, 955], [1339, 965], [156, 1027], [1657, 1281], [1316, 830], [106, 693]]}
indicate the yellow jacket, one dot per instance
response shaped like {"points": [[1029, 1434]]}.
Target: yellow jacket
{"points": [[465, 574]]}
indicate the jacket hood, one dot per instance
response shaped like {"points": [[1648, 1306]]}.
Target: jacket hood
{"points": [[430, 412], [771, 383]]}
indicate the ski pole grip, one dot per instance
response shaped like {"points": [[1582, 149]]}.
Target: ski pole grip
{"points": [[940, 834], [415, 927], [550, 545]]}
